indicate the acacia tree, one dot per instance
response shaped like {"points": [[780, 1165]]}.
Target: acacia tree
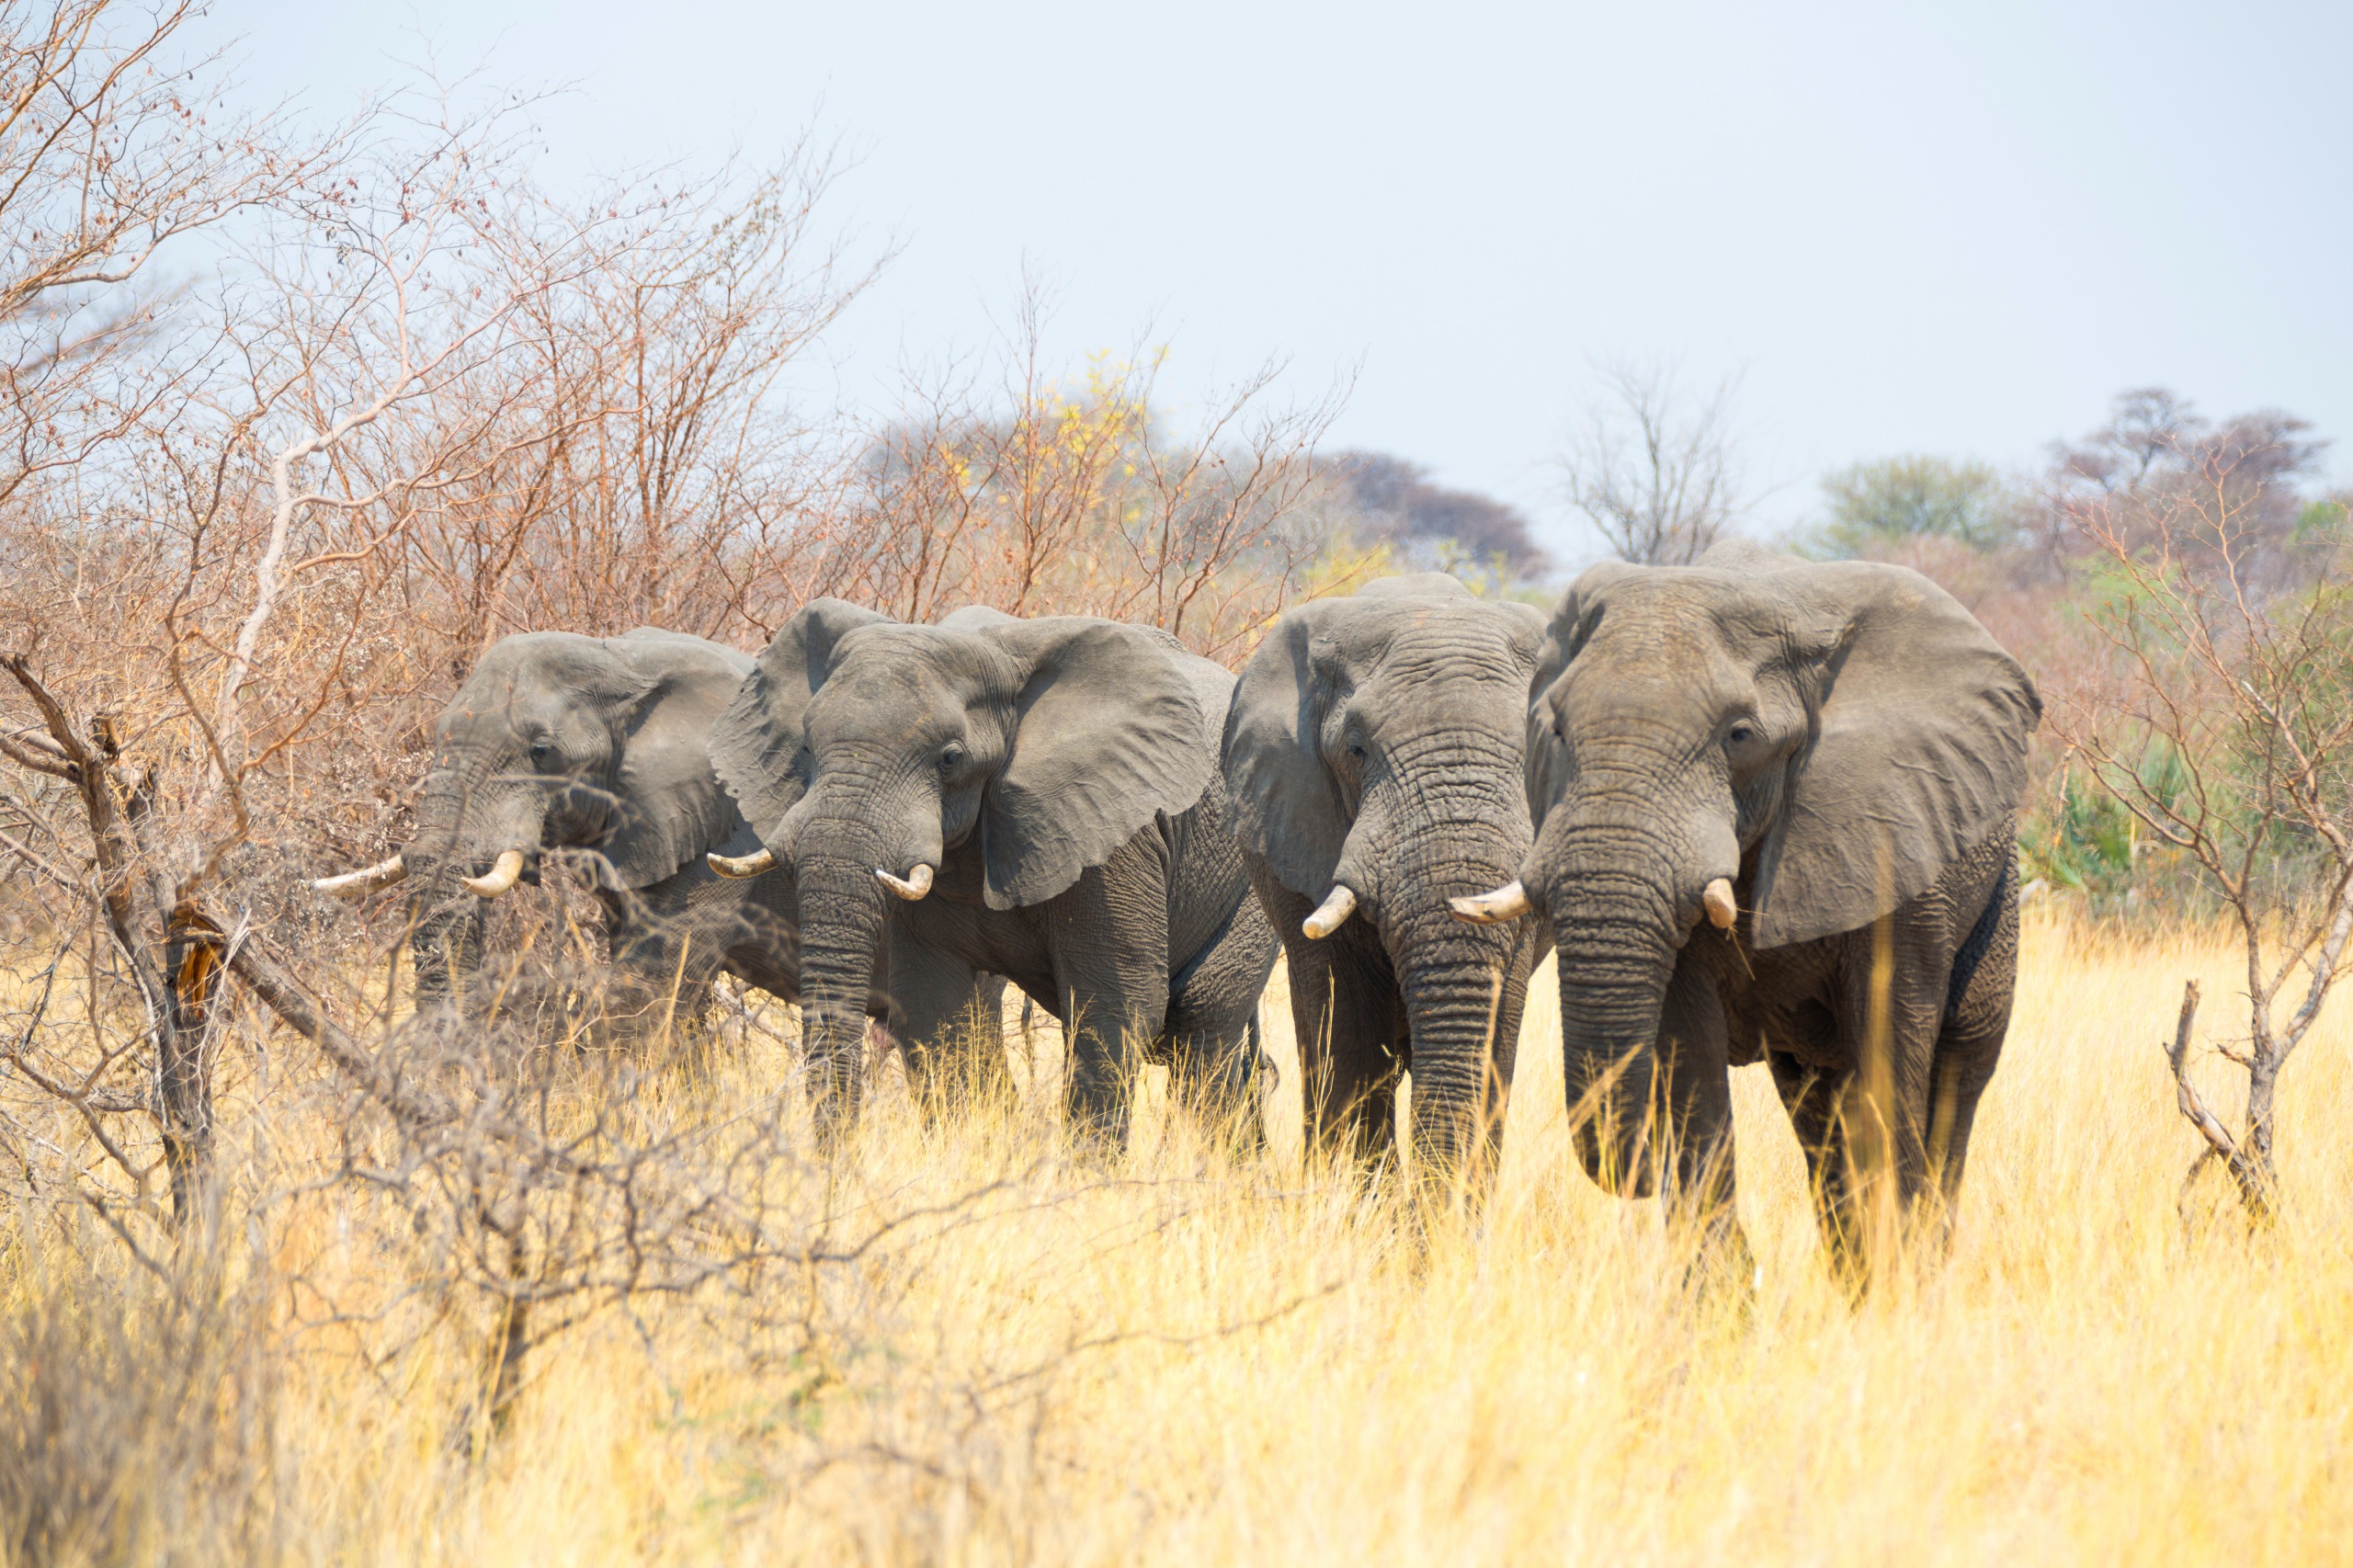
{"points": [[2227, 731], [1658, 475], [1876, 505]]}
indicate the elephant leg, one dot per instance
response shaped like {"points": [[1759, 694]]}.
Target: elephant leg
{"points": [[948, 1021], [1977, 1020], [1812, 1097], [1890, 1008], [1696, 1089], [1108, 937], [760, 941], [660, 982], [1215, 1062], [1351, 1029]]}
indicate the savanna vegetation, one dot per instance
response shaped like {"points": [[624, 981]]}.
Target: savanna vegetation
{"points": [[296, 418]]}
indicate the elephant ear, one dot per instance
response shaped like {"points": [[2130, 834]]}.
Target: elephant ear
{"points": [[756, 744], [1286, 807], [1546, 760], [668, 807], [1917, 752], [1108, 733]]}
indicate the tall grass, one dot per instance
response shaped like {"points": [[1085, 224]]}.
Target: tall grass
{"points": [[1201, 1357]]}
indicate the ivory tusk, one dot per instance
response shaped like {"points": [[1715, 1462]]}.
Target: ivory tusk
{"points": [[1507, 903], [1718, 902], [1332, 913], [912, 887], [499, 877], [368, 878], [754, 864]]}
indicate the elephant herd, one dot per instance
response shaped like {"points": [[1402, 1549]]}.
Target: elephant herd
{"points": [[1760, 809]]}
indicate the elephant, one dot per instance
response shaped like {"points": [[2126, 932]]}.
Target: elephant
{"points": [[1037, 797], [1821, 763], [1373, 755], [600, 748]]}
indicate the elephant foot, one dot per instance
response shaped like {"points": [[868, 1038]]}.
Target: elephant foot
{"points": [[1097, 1137], [1228, 1104], [1721, 1270], [959, 1079]]}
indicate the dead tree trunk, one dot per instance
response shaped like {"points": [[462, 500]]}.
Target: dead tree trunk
{"points": [[169, 949], [2248, 1159]]}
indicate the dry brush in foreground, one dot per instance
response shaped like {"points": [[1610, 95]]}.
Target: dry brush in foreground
{"points": [[981, 1354]]}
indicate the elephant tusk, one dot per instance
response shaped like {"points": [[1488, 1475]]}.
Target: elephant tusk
{"points": [[1718, 902], [912, 887], [1507, 903], [499, 877], [1332, 913], [368, 878], [751, 864]]}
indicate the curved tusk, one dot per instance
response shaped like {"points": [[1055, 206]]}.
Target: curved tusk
{"points": [[368, 878], [1332, 913], [499, 877], [912, 887], [1507, 903], [754, 864], [1718, 902]]}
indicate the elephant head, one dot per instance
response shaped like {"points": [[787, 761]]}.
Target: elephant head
{"points": [[558, 741], [984, 760], [1794, 747], [1373, 758]]}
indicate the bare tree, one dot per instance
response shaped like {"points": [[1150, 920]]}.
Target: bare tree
{"points": [[111, 149], [1658, 474], [1054, 494], [2158, 455], [2228, 732], [308, 361], [252, 534]]}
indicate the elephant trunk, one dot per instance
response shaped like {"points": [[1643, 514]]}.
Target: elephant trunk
{"points": [[1451, 823], [457, 838], [1462, 987], [1617, 934], [844, 911], [445, 931]]}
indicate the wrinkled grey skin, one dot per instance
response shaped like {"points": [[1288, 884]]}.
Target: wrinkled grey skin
{"points": [[1061, 775], [1848, 745], [602, 747], [1376, 743]]}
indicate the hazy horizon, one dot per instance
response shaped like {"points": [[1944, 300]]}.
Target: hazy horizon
{"points": [[1960, 232]]}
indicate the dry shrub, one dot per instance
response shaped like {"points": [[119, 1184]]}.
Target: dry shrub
{"points": [[487, 1292], [983, 1354], [423, 402], [138, 1423]]}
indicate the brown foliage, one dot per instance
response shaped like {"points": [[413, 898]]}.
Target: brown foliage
{"points": [[253, 534]]}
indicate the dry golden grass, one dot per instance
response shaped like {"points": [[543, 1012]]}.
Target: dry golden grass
{"points": [[1208, 1361]]}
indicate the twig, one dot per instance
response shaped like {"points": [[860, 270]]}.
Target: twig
{"points": [[2253, 1190]]}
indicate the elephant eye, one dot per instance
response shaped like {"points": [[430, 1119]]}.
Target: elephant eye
{"points": [[952, 758], [1356, 752], [541, 750], [1741, 734]]}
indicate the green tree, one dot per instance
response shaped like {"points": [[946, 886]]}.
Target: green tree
{"points": [[1877, 503]]}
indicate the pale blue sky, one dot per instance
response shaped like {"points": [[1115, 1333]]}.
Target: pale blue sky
{"points": [[1955, 228]]}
